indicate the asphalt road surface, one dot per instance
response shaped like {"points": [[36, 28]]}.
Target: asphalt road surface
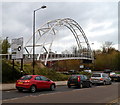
{"points": [[63, 94]]}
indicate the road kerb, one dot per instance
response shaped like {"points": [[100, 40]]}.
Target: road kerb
{"points": [[6, 87]]}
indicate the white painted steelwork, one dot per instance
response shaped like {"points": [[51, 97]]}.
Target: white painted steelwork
{"points": [[50, 29]]}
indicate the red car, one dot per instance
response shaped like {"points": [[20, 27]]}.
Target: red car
{"points": [[34, 82]]}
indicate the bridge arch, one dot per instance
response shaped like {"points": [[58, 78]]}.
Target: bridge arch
{"points": [[48, 31]]}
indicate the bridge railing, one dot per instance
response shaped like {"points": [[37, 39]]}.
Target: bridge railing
{"points": [[57, 56]]}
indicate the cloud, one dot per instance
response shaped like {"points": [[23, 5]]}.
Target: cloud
{"points": [[98, 19]]}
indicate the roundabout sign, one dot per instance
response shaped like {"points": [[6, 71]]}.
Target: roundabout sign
{"points": [[17, 48]]}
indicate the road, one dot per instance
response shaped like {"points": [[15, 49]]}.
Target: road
{"points": [[63, 94]]}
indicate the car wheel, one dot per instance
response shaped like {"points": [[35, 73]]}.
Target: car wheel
{"points": [[33, 89], [69, 86], [104, 83], [20, 90], [81, 85], [110, 83], [52, 87], [90, 84]]}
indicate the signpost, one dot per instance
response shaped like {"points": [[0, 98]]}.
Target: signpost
{"points": [[17, 48], [81, 67], [17, 51]]}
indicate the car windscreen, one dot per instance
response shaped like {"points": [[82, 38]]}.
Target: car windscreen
{"points": [[73, 77], [27, 77], [96, 75]]}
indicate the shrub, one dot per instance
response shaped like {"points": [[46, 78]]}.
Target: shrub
{"points": [[51, 74], [86, 73], [8, 74]]}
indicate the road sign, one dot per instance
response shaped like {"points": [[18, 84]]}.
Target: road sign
{"points": [[81, 66], [17, 48]]}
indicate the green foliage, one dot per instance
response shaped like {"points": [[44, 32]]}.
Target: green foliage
{"points": [[67, 65], [5, 46], [86, 73], [109, 60], [28, 69], [52, 74], [8, 74]]}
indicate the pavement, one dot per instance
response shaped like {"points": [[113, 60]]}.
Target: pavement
{"points": [[11, 86]]}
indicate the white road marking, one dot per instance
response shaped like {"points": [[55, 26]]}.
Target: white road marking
{"points": [[7, 91], [114, 101], [31, 96], [14, 98]]}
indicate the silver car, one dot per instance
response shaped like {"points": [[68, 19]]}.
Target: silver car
{"points": [[100, 78]]}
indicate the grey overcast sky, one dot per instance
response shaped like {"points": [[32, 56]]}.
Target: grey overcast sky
{"points": [[99, 20]]}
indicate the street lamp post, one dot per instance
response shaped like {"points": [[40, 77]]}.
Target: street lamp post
{"points": [[34, 35]]}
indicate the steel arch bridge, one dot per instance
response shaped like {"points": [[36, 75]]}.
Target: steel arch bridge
{"points": [[45, 36]]}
